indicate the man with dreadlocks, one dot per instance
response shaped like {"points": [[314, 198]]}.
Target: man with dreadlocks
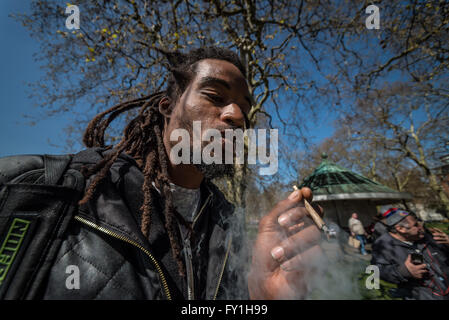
{"points": [[147, 228]]}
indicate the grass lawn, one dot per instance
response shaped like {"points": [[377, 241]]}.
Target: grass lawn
{"points": [[383, 293]]}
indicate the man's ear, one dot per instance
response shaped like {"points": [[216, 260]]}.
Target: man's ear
{"points": [[400, 229], [165, 107]]}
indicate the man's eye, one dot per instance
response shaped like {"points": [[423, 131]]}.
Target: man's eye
{"points": [[215, 98]]}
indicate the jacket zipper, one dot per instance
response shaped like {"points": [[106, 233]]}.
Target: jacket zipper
{"points": [[201, 210], [222, 269], [227, 251], [190, 280], [132, 242], [188, 251]]}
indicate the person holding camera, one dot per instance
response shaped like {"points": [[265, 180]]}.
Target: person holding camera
{"points": [[414, 258]]}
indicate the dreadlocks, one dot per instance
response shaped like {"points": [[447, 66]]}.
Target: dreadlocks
{"points": [[143, 140]]}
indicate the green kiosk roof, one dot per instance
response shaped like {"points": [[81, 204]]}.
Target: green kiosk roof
{"points": [[331, 182]]}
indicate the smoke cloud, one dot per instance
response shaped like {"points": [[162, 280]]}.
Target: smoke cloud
{"points": [[334, 277]]}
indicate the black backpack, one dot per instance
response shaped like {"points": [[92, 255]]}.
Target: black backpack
{"points": [[38, 197]]}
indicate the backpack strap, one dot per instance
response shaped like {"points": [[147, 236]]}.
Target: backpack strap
{"points": [[55, 167]]}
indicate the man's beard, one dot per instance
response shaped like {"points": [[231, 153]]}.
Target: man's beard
{"points": [[213, 170]]}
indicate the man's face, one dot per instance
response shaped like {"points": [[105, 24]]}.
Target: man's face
{"points": [[219, 98], [355, 216], [414, 231]]}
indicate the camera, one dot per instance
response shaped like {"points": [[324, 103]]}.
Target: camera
{"points": [[417, 258]]}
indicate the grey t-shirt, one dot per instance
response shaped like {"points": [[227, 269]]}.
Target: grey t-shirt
{"points": [[185, 201]]}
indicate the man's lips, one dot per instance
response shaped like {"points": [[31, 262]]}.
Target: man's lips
{"points": [[231, 141]]}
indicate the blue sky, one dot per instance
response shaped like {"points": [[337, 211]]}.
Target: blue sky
{"points": [[17, 68]]}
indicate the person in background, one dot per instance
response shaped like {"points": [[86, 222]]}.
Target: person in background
{"points": [[358, 231], [416, 260], [379, 227]]}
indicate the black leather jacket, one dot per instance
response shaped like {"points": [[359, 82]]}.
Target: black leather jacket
{"points": [[105, 250]]}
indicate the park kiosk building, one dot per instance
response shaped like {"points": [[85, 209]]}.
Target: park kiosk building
{"points": [[341, 192]]}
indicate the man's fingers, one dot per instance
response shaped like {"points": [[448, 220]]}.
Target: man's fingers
{"points": [[292, 216], [296, 214], [421, 267], [421, 273], [292, 200], [295, 228], [301, 241], [439, 235], [308, 259], [296, 243], [444, 239]]}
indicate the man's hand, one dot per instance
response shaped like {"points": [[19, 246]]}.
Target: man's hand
{"points": [[286, 250], [416, 270], [439, 236]]}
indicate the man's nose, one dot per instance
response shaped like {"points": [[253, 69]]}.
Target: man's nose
{"points": [[232, 114]]}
